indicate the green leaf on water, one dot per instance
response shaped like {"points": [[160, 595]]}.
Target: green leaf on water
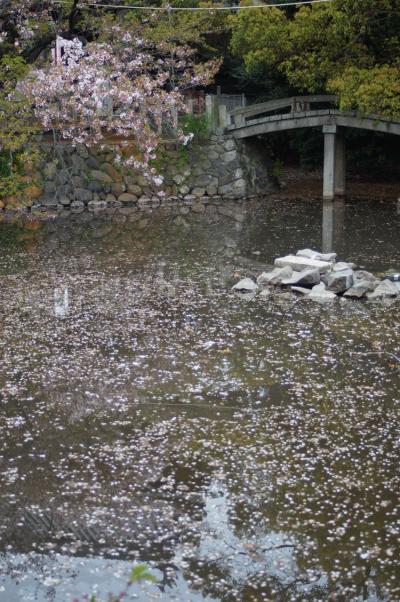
{"points": [[141, 573]]}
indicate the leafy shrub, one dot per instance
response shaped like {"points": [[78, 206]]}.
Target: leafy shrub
{"points": [[198, 125]]}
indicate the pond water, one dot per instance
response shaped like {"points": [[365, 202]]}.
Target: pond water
{"points": [[240, 450]]}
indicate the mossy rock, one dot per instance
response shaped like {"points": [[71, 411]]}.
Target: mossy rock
{"points": [[33, 192], [110, 170]]}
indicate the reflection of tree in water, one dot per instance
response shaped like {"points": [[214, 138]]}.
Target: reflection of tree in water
{"points": [[221, 584], [254, 587], [227, 568], [325, 477]]}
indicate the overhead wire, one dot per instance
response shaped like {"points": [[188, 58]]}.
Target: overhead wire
{"points": [[194, 8]]}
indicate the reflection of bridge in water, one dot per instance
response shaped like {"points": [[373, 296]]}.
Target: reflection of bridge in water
{"points": [[332, 225], [297, 113]]}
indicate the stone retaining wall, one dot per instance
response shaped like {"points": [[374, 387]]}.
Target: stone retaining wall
{"points": [[137, 212], [77, 179]]}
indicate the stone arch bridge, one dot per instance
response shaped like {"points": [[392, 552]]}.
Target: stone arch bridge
{"points": [[301, 112]]}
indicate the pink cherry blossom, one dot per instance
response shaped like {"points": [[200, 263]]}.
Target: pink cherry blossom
{"points": [[126, 87]]}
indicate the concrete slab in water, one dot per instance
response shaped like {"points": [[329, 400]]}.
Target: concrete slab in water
{"points": [[316, 255], [301, 263]]}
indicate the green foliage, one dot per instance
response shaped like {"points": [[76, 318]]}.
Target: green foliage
{"points": [[198, 125], [375, 90], [18, 150], [4, 165], [17, 126], [347, 47], [196, 29], [258, 36], [138, 574], [15, 111], [11, 187], [12, 69], [16, 175], [141, 573], [166, 159], [276, 171]]}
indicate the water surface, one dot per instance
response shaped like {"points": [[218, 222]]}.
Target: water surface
{"points": [[242, 450]]}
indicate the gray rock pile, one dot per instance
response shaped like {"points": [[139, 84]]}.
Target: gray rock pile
{"points": [[319, 277]]}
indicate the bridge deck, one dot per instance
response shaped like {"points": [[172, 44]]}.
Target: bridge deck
{"points": [[313, 118]]}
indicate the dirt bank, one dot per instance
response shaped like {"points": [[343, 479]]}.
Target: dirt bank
{"points": [[297, 183]]}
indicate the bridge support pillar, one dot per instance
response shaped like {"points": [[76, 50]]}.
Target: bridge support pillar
{"points": [[329, 162], [223, 117], [334, 162], [340, 164]]}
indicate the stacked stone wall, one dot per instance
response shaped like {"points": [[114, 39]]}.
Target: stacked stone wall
{"points": [[78, 179]]}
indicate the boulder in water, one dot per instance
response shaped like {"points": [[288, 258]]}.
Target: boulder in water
{"points": [[384, 290], [276, 276], [316, 255], [320, 293], [246, 285], [307, 276], [339, 282], [360, 288], [343, 265]]}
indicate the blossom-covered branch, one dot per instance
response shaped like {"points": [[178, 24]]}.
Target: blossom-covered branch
{"points": [[126, 86]]}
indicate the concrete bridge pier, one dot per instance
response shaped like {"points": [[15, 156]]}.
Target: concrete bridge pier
{"points": [[334, 162]]}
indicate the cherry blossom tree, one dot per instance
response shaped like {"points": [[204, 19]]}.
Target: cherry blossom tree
{"points": [[113, 77], [127, 87]]}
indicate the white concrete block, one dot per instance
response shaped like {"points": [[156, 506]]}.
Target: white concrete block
{"points": [[301, 263]]}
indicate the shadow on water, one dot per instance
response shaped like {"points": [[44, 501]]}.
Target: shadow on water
{"points": [[244, 450]]}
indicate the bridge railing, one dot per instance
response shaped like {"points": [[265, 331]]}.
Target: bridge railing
{"points": [[219, 106], [295, 104]]}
